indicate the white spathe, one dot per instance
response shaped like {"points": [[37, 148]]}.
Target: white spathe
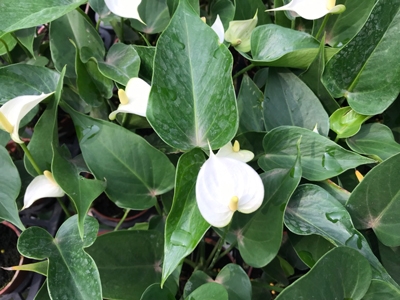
{"points": [[309, 9], [42, 186], [134, 99], [125, 8], [12, 112], [218, 28], [225, 185], [233, 151], [239, 33]]}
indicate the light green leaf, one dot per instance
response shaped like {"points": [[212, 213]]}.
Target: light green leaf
{"points": [[10, 185], [75, 27], [382, 183], [349, 278], [127, 276], [346, 122], [37, 267], [192, 99], [321, 158], [33, 13], [289, 101], [374, 139], [67, 259], [146, 171], [312, 210], [9, 40], [356, 71], [185, 225]]}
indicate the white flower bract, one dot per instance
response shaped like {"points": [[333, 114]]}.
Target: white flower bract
{"points": [[234, 152], [134, 99], [42, 186], [218, 28], [309, 9], [12, 112], [125, 8], [225, 185]]}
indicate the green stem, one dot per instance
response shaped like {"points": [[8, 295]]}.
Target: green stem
{"points": [[122, 219], [8, 50], [158, 208], [321, 29], [337, 138], [220, 244], [244, 70], [64, 208], [98, 24], [145, 39], [230, 248], [293, 24], [30, 157], [190, 263]]}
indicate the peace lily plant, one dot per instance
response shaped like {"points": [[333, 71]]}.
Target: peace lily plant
{"points": [[108, 106]]}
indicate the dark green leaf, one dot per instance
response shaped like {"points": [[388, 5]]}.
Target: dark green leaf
{"points": [[321, 158], [349, 278], [185, 225], [26, 37], [192, 99], [288, 101], [390, 257], [155, 15], [246, 9], [381, 290], [209, 291], [356, 71], [72, 273], [382, 183], [145, 170], [236, 282], [8, 40], [127, 276], [155, 291], [146, 61]]}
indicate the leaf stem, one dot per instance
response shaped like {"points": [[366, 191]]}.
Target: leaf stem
{"points": [[321, 29], [8, 50], [219, 247], [122, 219], [229, 249], [190, 263], [30, 157], [244, 70], [158, 208], [64, 208]]}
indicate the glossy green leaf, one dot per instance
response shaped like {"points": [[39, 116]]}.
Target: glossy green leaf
{"points": [[75, 27], [310, 248], [197, 279], [381, 290], [155, 291], [127, 276], [356, 71], [260, 236], [26, 37], [246, 9], [312, 210], [312, 78], [9, 40], [289, 101], [154, 14], [209, 291], [185, 225], [146, 55], [374, 139], [34, 13], [383, 215], [19, 79], [225, 9], [321, 158], [43, 293], [250, 106], [236, 282], [67, 278], [390, 257], [121, 64], [341, 28], [349, 278], [81, 191], [273, 45], [346, 122], [10, 185], [338, 192], [192, 99], [145, 170], [45, 132]]}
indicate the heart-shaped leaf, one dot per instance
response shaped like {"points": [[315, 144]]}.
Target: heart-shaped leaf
{"points": [[349, 278], [209, 291], [382, 183], [321, 158], [236, 282], [192, 100], [72, 273]]}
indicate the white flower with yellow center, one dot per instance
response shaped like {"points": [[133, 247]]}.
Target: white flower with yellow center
{"points": [[239, 33], [234, 152], [42, 186], [12, 112], [312, 9], [134, 99], [225, 185], [125, 8]]}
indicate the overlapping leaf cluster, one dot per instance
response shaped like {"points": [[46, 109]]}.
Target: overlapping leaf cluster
{"points": [[312, 104]]}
